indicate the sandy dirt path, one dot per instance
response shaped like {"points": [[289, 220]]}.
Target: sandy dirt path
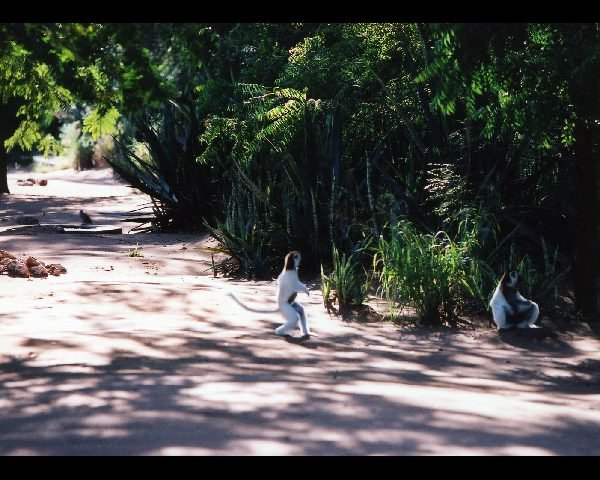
{"points": [[145, 356]]}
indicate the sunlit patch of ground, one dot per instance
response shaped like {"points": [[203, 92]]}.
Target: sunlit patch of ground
{"points": [[146, 355]]}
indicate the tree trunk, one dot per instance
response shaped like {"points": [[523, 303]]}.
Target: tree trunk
{"points": [[585, 263], [3, 169], [8, 124]]}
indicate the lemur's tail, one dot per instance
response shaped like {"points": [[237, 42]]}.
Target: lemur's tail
{"points": [[252, 309]]}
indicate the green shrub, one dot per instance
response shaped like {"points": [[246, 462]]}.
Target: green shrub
{"points": [[430, 273], [245, 237], [156, 153], [540, 276], [347, 280]]}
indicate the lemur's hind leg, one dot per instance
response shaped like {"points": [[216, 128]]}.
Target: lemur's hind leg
{"points": [[531, 317], [303, 325], [291, 316]]}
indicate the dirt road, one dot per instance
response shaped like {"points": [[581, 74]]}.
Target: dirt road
{"points": [[144, 355]]}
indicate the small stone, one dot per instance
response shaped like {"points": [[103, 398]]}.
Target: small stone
{"points": [[17, 268], [42, 182], [39, 271], [32, 262], [55, 269], [5, 254]]}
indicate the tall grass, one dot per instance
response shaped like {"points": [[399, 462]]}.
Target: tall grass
{"points": [[347, 280], [247, 243], [430, 273], [541, 277]]}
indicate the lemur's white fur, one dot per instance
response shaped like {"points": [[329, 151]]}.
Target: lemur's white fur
{"points": [[509, 307], [288, 287]]}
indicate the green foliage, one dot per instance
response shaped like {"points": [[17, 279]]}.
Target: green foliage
{"points": [[540, 278], [270, 153], [247, 243], [97, 124], [305, 136], [27, 135], [32, 82], [326, 288], [347, 280], [77, 144], [447, 191], [430, 273], [161, 162]]}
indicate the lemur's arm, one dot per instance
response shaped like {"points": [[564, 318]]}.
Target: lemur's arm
{"points": [[522, 299], [303, 288]]}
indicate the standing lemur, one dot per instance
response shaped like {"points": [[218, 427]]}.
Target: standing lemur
{"points": [[509, 308], [288, 287]]}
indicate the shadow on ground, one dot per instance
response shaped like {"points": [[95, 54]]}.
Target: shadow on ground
{"points": [[146, 355], [210, 389]]}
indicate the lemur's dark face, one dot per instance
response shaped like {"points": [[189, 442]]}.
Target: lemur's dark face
{"points": [[511, 279], [292, 260]]}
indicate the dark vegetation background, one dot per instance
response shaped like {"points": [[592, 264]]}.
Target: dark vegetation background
{"points": [[412, 161]]}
